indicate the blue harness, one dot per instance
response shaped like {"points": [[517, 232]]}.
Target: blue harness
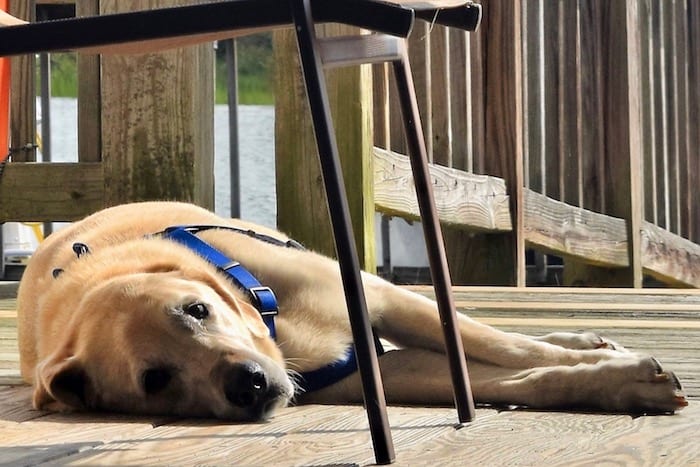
{"points": [[263, 298]]}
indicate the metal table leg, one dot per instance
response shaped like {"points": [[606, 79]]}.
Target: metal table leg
{"points": [[433, 239], [342, 229]]}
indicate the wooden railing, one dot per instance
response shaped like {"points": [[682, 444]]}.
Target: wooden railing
{"points": [[569, 127], [585, 118]]}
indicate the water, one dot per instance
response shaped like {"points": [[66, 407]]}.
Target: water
{"points": [[256, 146], [257, 169]]}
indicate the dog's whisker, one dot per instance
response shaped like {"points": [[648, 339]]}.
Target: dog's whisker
{"points": [[294, 363], [295, 377]]}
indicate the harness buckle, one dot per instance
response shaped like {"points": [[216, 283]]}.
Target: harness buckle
{"points": [[264, 300]]}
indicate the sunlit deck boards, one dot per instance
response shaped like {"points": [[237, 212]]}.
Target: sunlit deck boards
{"points": [[665, 323]]}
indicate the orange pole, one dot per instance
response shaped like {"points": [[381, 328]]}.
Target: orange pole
{"points": [[4, 100]]}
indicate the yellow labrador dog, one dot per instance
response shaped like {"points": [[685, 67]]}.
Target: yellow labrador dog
{"points": [[116, 315]]}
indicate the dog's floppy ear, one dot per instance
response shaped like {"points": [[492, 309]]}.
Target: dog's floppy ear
{"points": [[62, 385]]}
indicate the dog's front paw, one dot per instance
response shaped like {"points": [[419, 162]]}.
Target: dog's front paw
{"points": [[581, 341], [648, 389]]}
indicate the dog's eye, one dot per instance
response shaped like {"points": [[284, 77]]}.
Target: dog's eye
{"points": [[197, 310], [155, 380]]}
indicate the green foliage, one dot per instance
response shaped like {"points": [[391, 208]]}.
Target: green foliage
{"points": [[254, 72], [64, 81]]}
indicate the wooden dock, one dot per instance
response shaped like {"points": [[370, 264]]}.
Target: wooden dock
{"points": [[663, 322]]}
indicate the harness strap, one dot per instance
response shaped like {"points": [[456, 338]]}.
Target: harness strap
{"points": [[263, 298]]}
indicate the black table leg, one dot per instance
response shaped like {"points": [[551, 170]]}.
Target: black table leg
{"points": [[342, 230], [433, 239]]}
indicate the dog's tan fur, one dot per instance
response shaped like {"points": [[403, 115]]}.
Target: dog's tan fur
{"points": [[87, 336]]}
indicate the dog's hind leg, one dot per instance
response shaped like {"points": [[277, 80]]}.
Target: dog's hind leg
{"points": [[411, 320], [421, 377]]}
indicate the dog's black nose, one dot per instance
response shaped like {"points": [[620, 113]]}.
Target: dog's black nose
{"points": [[247, 387]]}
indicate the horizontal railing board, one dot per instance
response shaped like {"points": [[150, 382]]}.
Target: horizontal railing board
{"points": [[669, 257], [464, 199], [50, 192], [480, 203], [575, 232]]}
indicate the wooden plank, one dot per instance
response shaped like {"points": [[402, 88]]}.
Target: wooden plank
{"points": [[693, 25], [380, 105], [574, 232], [469, 138], [54, 437], [441, 96], [591, 131], [624, 194], [670, 257], [686, 191], [23, 95], [157, 121], [50, 192], [505, 253], [466, 200], [563, 439], [477, 202], [592, 323], [89, 99], [420, 58], [461, 144], [672, 119], [570, 177], [504, 124], [15, 404], [659, 107], [550, 99], [692, 309], [338, 435], [533, 97], [302, 210], [648, 115], [477, 102]]}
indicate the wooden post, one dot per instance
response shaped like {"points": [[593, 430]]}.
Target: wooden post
{"points": [[23, 95], [302, 210], [89, 109], [498, 259], [694, 116], [621, 45], [157, 120]]}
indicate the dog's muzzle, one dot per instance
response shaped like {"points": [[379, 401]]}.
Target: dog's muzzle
{"points": [[249, 388]]}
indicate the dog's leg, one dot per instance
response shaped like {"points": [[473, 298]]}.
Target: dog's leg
{"points": [[577, 340], [417, 376], [411, 320]]}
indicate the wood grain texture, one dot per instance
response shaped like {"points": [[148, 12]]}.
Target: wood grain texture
{"points": [[466, 200], [302, 207], [157, 120], [89, 98], [694, 116], [669, 257], [23, 95], [504, 129], [663, 321], [570, 231], [441, 96], [475, 202], [50, 192]]}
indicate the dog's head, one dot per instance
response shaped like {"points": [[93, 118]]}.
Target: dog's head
{"points": [[165, 342]]}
